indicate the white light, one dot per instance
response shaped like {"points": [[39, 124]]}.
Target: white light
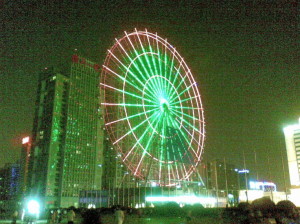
{"points": [[182, 199], [25, 140], [153, 184], [33, 207], [244, 171]]}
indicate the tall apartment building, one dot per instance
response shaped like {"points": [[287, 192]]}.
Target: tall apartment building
{"points": [[67, 140], [292, 141], [48, 137], [83, 148]]}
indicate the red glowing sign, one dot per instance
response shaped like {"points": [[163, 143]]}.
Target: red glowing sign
{"points": [[25, 140], [77, 59]]}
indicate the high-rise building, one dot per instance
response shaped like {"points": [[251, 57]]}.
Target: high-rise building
{"points": [[83, 148], [67, 140], [24, 164], [292, 141], [48, 137]]}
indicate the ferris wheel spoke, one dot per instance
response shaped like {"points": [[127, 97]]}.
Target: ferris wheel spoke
{"points": [[130, 117], [184, 136], [177, 71], [159, 55], [189, 108], [178, 86], [169, 121], [171, 69], [132, 61], [186, 99], [181, 156], [153, 59], [122, 78], [133, 129], [153, 85], [126, 92], [185, 90], [139, 140], [127, 68], [195, 140], [145, 149], [186, 122], [187, 115], [139, 59], [146, 57], [128, 105]]}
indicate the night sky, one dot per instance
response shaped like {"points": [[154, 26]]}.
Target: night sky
{"points": [[245, 57]]}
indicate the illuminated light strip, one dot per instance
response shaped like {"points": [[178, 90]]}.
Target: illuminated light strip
{"points": [[137, 142], [142, 63], [187, 99], [132, 60], [177, 69], [176, 166], [151, 137], [198, 157], [139, 139], [172, 63], [159, 76], [148, 63], [153, 60], [195, 128], [187, 115], [132, 116], [186, 89], [127, 104], [122, 78], [158, 52], [140, 59], [182, 199], [125, 67], [131, 130], [122, 91], [190, 108], [190, 144], [183, 168], [145, 151], [169, 157], [178, 86]]}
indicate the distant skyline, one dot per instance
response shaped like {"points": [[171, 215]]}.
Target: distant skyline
{"points": [[244, 57]]}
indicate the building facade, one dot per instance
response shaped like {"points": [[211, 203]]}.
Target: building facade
{"points": [[48, 137], [67, 139], [83, 148], [292, 141]]}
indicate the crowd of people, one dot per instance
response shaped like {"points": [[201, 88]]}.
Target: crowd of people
{"points": [[86, 216], [262, 211]]}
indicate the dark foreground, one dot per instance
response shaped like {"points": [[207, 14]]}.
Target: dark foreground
{"points": [[134, 220]]}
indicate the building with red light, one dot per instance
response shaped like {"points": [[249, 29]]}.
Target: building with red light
{"points": [[24, 164], [83, 146]]}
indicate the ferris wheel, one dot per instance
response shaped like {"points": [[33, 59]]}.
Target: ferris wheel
{"points": [[153, 110]]}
